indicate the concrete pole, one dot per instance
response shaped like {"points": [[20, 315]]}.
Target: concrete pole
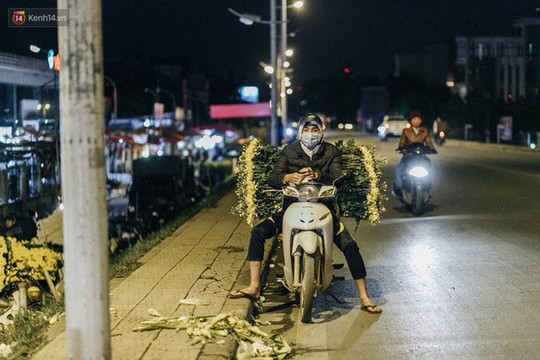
{"points": [[283, 59], [83, 182], [274, 131]]}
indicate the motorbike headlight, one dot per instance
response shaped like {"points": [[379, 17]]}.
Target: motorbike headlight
{"points": [[418, 172], [290, 191], [327, 193], [308, 191]]}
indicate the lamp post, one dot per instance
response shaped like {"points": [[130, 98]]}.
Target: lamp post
{"points": [[274, 132], [276, 69], [115, 96], [283, 59], [153, 93], [249, 19], [170, 94]]}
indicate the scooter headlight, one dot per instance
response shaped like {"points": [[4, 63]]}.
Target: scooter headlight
{"points": [[418, 172], [308, 191]]}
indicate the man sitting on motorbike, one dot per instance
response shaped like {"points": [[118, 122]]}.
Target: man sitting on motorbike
{"points": [[416, 133], [307, 159]]}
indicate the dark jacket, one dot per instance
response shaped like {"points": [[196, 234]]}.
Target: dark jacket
{"points": [[326, 162]]}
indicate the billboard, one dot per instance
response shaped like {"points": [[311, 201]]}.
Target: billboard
{"points": [[249, 94], [240, 111]]}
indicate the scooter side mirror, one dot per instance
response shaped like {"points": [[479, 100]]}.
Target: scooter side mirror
{"points": [[340, 178]]}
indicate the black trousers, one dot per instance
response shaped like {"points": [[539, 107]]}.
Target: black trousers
{"points": [[343, 240]]}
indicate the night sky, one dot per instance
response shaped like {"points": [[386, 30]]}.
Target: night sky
{"points": [[333, 33]]}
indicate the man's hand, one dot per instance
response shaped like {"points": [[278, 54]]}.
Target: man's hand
{"points": [[309, 174], [295, 178]]}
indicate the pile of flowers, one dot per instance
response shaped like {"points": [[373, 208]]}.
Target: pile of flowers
{"points": [[254, 165], [361, 194], [20, 260], [252, 341]]}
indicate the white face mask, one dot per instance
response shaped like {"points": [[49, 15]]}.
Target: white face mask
{"points": [[310, 140]]}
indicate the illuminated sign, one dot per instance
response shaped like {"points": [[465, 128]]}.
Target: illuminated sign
{"points": [[249, 94], [57, 62], [50, 59], [240, 111]]}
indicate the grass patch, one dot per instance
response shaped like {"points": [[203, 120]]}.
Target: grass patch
{"points": [[28, 331]]}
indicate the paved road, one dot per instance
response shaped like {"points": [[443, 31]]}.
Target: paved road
{"points": [[460, 281]]}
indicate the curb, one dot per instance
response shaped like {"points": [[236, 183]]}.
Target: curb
{"points": [[490, 146]]}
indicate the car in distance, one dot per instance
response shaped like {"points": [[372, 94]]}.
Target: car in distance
{"points": [[392, 125]]}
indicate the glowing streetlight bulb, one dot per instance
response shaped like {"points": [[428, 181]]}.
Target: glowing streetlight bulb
{"points": [[289, 91], [289, 52], [286, 64], [269, 69], [298, 4]]}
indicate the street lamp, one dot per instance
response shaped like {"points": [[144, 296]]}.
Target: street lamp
{"points": [[267, 68]]}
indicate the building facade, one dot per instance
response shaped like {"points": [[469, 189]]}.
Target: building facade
{"points": [[505, 68]]}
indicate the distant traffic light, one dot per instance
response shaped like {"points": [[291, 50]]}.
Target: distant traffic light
{"points": [[347, 70], [510, 96]]}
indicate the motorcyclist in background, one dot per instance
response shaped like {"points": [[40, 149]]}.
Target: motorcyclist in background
{"points": [[416, 133], [307, 159]]}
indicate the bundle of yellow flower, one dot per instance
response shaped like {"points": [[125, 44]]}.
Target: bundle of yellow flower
{"points": [[254, 165], [3, 262], [32, 260]]}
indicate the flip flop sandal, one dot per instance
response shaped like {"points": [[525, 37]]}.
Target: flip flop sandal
{"points": [[243, 295], [370, 308]]}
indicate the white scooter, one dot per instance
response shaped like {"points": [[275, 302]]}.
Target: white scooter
{"points": [[307, 241]]}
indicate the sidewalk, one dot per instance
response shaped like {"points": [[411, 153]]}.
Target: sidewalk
{"points": [[203, 259]]}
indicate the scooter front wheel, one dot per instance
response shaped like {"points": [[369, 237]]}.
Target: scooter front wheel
{"points": [[307, 291]]}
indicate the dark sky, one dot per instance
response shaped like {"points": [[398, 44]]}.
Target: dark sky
{"points": [[363, 34]]}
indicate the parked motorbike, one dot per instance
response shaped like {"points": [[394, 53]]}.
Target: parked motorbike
{"points": [[307, 241], [440, 137], [416, 176]]}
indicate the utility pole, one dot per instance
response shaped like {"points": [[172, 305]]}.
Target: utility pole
{"points": [[83, 182], [274, 131], [283, 74]]}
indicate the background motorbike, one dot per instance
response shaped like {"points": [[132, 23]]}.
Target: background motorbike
{"points": [[416, 176], [440, 137]]}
